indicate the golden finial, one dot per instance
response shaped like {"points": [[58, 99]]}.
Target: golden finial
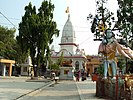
{"points": [[67, 10]]}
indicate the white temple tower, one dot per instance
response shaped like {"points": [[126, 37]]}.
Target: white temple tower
{"points": [[68, 38], [73, 58]]}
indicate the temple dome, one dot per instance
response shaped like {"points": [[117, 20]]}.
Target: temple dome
{"points": [[68, 30], [68, 38]]}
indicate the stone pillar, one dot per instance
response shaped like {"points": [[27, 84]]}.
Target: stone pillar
{"points": [[4, 70], [10, 69]]}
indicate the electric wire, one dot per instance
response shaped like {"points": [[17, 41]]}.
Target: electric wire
{"points": [[8, 20], [7, 24], [86, 40], [59, 25], [15, 26], [19, 19]]}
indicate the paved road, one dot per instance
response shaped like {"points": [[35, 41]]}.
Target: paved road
{"points": [[63, 90], [66, 90], [16, 88], [12, 88], [87, 90]]}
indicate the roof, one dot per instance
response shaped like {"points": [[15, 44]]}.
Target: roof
{"points": [[69, 57], [68, 28], [7, 61]]}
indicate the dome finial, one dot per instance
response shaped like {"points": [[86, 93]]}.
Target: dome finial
{"points": [[67, 10]]}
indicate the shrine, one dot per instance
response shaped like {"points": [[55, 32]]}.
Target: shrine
{"points": [[6, 66]]}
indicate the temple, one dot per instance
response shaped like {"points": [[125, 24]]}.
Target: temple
{"points": [[73, 58]]}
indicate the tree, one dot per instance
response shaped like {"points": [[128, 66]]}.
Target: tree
{"points": [[125, 20], [27, 31], [36, 32], [102, 20], [7, 43], [125, 24], [60, 60]]}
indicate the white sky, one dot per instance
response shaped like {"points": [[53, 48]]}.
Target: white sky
{"points": [[79, 10]]}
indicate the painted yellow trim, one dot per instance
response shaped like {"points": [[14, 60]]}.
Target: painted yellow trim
{"points": [[7, 61]]}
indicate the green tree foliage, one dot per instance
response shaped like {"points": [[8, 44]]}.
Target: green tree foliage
{"points": [[36, 32], [125, 20], [121, 62], [55, 67], [103, 13], [26, 38], [60, 60], [7, 43], [100, 69], [125, 25], [102, 20]]}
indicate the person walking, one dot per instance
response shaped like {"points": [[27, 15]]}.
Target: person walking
{"points": [[77, 75], [32, 73]]}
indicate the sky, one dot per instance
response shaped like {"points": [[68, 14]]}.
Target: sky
{"points": [[79, 10]]}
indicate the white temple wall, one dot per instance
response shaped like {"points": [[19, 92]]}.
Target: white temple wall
{"points": [[80, 63], [69, 48]]}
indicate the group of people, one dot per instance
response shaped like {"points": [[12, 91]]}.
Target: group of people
{"points": [[80, 73]]}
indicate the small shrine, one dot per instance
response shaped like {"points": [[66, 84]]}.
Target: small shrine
{"points": [[25, 68], [6, 66]]}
